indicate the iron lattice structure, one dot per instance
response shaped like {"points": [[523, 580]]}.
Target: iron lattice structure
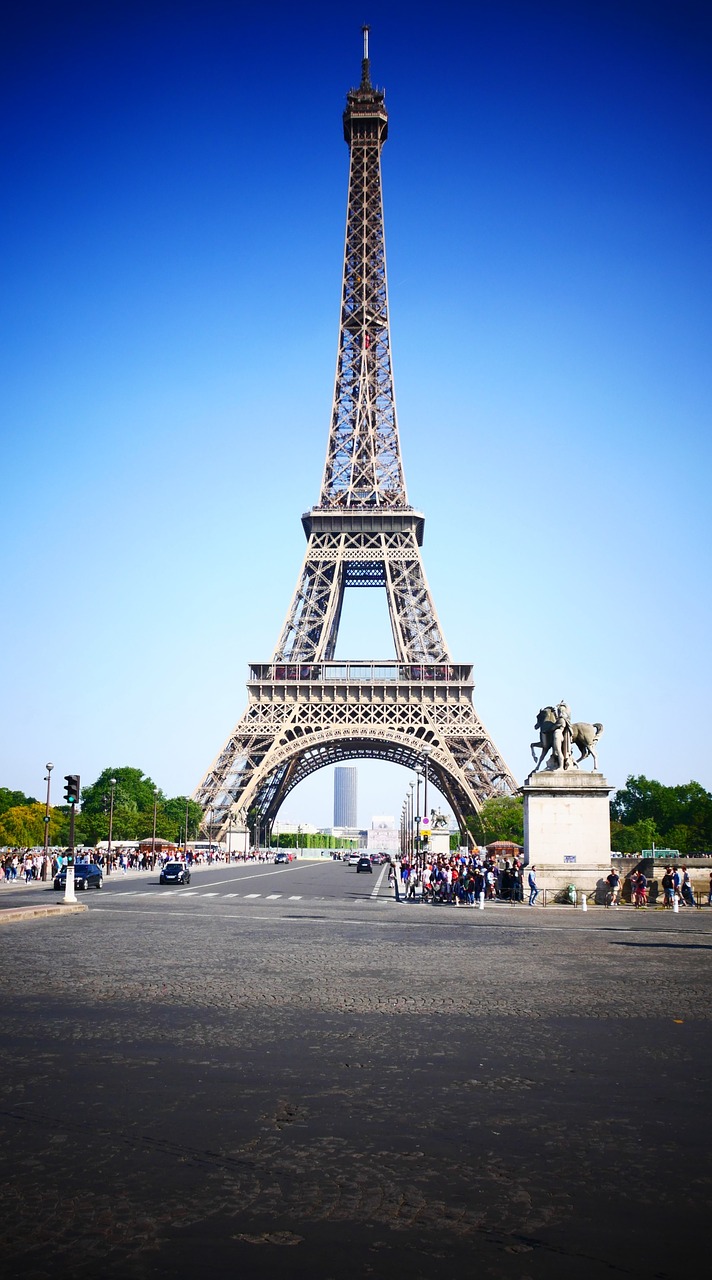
{"points": [[304, 709]]}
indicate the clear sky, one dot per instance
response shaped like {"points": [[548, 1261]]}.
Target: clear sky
{"points": [[174, 193]]}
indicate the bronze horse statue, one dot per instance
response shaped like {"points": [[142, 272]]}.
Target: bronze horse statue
{"points": [[584, 736]]}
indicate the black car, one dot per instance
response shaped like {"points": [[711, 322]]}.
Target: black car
{"points": [[282, 857], [175, 873], [87, 875], [364, 864]]}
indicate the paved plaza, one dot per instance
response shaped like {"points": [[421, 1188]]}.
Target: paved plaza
{"points": [[316, 1082]]}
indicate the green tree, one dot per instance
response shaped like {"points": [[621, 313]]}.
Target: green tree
{"points": [[670, 808], [134, 792], [23, 825], [636, 837], [13, 799], [500, 818], [174, 812], [681, 838]]}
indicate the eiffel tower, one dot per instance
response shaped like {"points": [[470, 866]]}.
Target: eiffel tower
{"points": [[305, 710]]}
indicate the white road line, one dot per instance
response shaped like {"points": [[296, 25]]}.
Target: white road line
{"points": [[253, 895], [270, 896], [210, 895], [231, 895], [190, 893], [255, 875], [295, 897], [379, 882]]}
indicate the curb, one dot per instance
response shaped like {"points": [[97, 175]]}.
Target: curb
{"points": [[32, 913]]}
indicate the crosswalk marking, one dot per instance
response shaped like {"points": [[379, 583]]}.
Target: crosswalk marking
{"points": [[210, 895], [253, 895], [295, 897], [231, 895], [270, 896]]}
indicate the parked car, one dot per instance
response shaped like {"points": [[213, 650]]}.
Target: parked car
{"points": [[87, 875], [175, 873], [364, 864]]}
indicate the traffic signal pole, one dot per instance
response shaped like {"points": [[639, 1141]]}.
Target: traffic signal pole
{"points": [[71, 795], [69, 894]]}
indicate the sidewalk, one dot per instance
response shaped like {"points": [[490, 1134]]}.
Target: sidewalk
{"points": [[20, 901]]}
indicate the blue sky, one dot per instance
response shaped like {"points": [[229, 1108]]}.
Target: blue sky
{"points": [[174, 181]]}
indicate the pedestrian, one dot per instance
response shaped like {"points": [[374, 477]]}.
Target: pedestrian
{"points": [[686, 887], [677, 883], [668, 888], [709, 895], [641, 890], [613, 881], [393, 878], [533, 891]]}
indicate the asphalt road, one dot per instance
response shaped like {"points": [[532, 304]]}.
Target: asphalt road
{"points": [[317, 1082]]}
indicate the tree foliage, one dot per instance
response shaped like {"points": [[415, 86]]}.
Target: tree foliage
{"points": [[646, 812], [23, 825], [500, 818], [22, 818], [12, 799]]}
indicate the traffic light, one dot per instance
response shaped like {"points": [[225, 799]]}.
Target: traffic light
{"points": [[71, 790]]}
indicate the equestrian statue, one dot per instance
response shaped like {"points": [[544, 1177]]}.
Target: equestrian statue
{"points": [[559, 736]]}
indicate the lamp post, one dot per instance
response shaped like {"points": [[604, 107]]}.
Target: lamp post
{"points": [[49, 767], [153, 837], [112, 784], [426, 753], [410, 820], [418, 776], [404, 830], [185, 840]]}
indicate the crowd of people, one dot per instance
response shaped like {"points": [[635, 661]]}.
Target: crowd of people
{"points": [[459, 880], [23, 866]]}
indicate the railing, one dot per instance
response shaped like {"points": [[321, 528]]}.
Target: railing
{"points": [[360, 672]]}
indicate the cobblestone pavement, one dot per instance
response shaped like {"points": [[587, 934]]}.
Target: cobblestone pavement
{"points": [[351, 1092]]}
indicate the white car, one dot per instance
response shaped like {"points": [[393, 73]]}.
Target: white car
{"points": [[352, 859]]}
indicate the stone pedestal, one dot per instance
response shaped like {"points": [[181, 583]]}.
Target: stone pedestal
{"points": [[567, 834], [439, 843]]}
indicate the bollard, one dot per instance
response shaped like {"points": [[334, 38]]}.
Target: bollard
{"points": [[676, 904], [481, 903], [584, 904]]}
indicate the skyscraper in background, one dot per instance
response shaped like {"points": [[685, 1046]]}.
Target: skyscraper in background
{"points": [[345, 797]]}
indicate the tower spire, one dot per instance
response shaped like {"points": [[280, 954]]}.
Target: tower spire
{"points": [[365, 64]]}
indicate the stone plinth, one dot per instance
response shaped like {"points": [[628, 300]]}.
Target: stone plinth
{"points": [[439, 843], [567, 833]]}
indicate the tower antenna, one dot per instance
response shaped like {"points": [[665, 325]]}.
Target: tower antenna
{"points": [[365, 67]]}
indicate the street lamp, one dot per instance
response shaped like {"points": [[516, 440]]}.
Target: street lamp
{"points": [[153, 837], [410, 819], [112, 784], [49, 767], [404, 830], [418, 775], [426, 753]]}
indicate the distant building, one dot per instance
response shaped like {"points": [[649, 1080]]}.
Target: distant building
{"points": [[346, 797], [383, 835]]}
